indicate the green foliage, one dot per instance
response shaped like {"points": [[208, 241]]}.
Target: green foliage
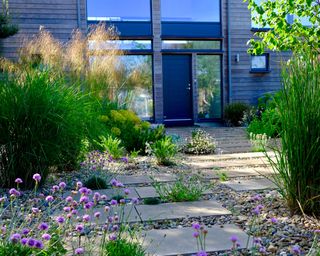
{"points": [[234, 112], [164, 150], [6, 28], [200, 143], [112, 146], [151, 201], [223, 176], [14, 249], [258, 142], [121, 247], [43, 124], [183, 189], [297, 160], [133, 132], [95, 183], [269, 123], [283, 35]]}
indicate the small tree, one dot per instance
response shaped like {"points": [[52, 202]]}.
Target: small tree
{"points": [[284, 35], [6, 28]]}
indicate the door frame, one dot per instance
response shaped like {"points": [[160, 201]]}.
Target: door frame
{"points": [[183, 122]]}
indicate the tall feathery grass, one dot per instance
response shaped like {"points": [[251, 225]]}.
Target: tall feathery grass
{"points": [[298, 160]]}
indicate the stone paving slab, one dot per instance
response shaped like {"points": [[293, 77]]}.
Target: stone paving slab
{"points": [[251, 184], [134, 179], [228, 164], [234, 156], [180, 241], [236, 172], [181, 210]]}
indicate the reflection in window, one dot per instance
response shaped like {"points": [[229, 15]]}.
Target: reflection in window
{"points": [[121, 45], [190, 10], [183, 44], [119, 10], [209, 86], [260, 62], [135, 80]]}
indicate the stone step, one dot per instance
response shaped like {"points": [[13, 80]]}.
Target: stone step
{"points": [[228, 164], [181, 241], [250, 184], [236, 156], [181, 210]]}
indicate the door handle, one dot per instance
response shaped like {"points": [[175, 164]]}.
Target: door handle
{"points": [[189, 87]]}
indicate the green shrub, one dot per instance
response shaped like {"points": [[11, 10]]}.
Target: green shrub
{"points": [[112, 146], [121, 247], [182, 190], [259, 142], [43, 124], [14, 249], [134, 133], [95, 183], [164, 150], [297, 161], [234, 112], [200, 143]]}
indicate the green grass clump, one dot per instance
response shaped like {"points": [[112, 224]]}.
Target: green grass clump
{"points": [[164, 150], [182, 190], [112, 146], [297, 161], [122, 246], [95, 183]]}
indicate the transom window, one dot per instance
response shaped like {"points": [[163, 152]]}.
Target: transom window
{"points": [[119, 10], [190, 45], [121, 45], [190, 10]]}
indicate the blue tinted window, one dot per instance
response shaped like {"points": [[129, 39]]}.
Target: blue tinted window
{"points": [[119, 10], [190, 10]]}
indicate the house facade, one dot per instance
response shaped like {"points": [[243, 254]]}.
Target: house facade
{"points": [[192, 54]]}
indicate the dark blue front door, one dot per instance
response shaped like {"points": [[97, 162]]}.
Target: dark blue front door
{"points": [[177, 89]]}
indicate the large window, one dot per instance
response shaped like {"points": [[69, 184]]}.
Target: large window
{"points": [[119, 10], [135, 78], [189, 45], [121, 45], [209, 86], [190, 10]]}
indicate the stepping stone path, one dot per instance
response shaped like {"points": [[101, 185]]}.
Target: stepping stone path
{"points": [[252, 184]]}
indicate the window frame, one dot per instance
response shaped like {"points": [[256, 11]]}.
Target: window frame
{"points": [[261, 70]]}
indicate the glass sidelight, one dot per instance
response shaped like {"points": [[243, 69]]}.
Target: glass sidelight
{"points": [[209, 86]]}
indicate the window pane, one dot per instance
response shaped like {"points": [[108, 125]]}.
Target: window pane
{"points": [[135, 73], [259, 62], [121, 45], [209, 86], [190, 10], [119, 10], [182, 44]]}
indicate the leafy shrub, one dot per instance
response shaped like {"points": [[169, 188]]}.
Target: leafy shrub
{"points": [[13, 249], [95, 183], [112, 146], [6, 28], [164, 150], [122, 247], [183, 189], [43, 124], [234, 112], [269, 123], [297, 161], [133, 132], [200, 143]]}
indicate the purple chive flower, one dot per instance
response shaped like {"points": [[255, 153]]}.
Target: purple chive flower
{"points": [[97, 215], [196, 234], [79, 184], [83, 190], [74, 212], [67, 209], [234, 239], [262, 249], [113, 202], [49, 199], [2, 199], [104, 197], [202, 253], [116, 218], [79, 228], [3, 230], [135, 200], [196, 226], [18, 181], [114, 182], [25, 231], [84, 199], [88, 205], [317, 231], [79, 251], [125, 159], [14, 192], [257, 240], [257, 198], [96, 196], [35, 210], [110, 219], [115, 228], [31, 242], [62, 185], [86, 218], [274, 220], [46, 237], [60, 219], [69, 215], [38, 244], [55, 188], [69, 199], [122, 201], [36, 177], [107, 208], [24, 241], [43, 226], [112, 237], [15, 238], [296, 249], [119, 185], [127, 191]]}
